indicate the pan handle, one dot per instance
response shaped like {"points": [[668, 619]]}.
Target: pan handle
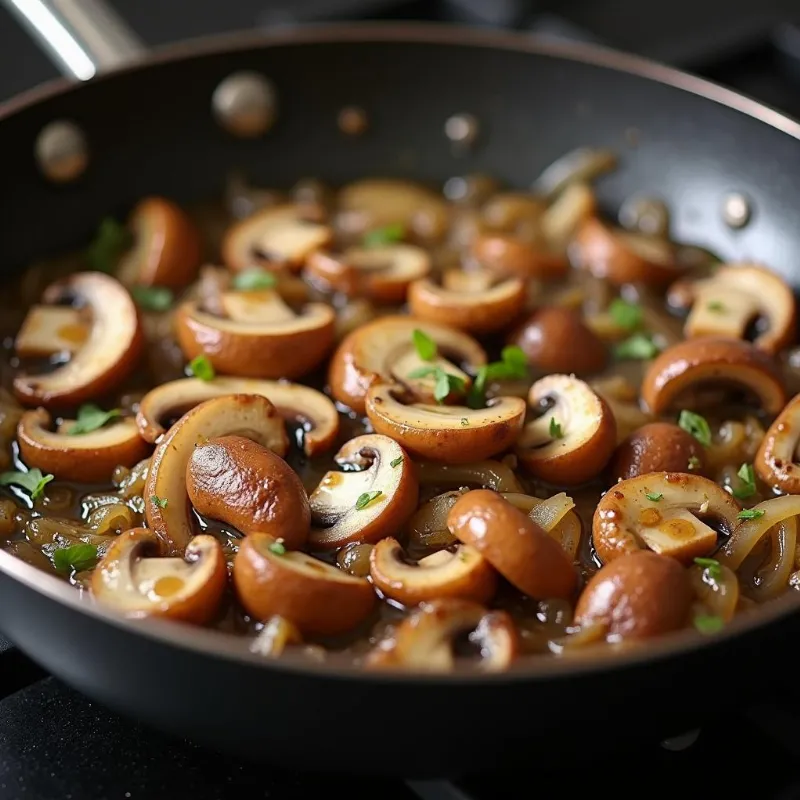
{"points": [[82, 37]]}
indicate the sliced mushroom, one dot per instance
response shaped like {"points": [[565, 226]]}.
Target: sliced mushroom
{"points": [[167, 247], [733, 297], [274, 348], [277, 235], [84, 458], [49, 330], [513, 544], [479, 310], [621, 256], [425, 640], [262, 307], [295, 402], [573, 436], [662, 511], [318, 598], [383, 351], [455, 434], [695, 363], [368, 504], [622, 398], [462, 573], [166, 498], [108, 355], [509, 255], [243, 484], [133, 579], [776, 461], [380, 273], [657, 447]]}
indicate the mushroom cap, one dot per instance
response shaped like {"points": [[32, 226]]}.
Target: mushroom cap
{"points": [[318, 598], [687, 364], [656, 447], [776, 460], [509, 255], [248, 415], [488, 309], [728, 301], [513, 544], [384, 468], [586, 424], [370, 355], [190, 589], [662, 511], [461, 573], [279, 349], [454, 434], [108, 355], [84, 458], [293, 400]]}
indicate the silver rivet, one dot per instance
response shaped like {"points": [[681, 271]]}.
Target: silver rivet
{"points": [[682, 742], [245, 104], [61, 151], [462, 129], [352, 121], [736, 210]]}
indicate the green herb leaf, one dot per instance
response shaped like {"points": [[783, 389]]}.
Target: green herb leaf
{"points": [[464, 421], [91, 418], [626, 315], [277, 547], [389, 234], [639, 347], [513, 366], [653, 497], [696, 425], [161, 502], [747, 476], [252, 279], [32, 481], [77, 557], [396, 462], [424, 345], [708, 624], [446, 384], [110, 242], [716, 306], [751, 513], [365, 499], [555, 429], [202, 368], [153, 298], [514, 361], [694, 462], [711, 566]]}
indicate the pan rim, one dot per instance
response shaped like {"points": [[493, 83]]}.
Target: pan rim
{"points": [[223, 646]]}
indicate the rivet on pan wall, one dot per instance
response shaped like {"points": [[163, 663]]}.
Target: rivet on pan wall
{"points": [[352, 121], [462, 129], [61, 151], [736, 210], [245, 104]]}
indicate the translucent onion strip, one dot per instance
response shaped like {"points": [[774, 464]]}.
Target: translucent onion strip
{"points": [[486, 474], [717, 590], [427, 528], [554, 515], [273, 638]]}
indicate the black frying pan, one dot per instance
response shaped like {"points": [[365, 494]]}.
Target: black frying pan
{"points": [[150, 130]]}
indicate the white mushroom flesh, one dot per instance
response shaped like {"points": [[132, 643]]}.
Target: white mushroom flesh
{"points": [[49, 330], [258, 307]]}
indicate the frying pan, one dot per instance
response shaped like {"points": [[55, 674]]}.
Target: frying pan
{"points": [[149, 129]]}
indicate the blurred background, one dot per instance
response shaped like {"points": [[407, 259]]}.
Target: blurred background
{"points": [[751, 45]]}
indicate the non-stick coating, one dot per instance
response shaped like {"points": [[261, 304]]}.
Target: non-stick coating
{"points": [[151, 131]]}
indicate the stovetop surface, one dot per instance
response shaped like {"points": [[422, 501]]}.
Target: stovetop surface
{"points": [[57, 745]]}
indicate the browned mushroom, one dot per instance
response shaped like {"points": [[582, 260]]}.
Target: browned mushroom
{"points": [[133, 579], [557, 340], [165, 493], [318, 598], [241, 483], [451, 433], [276, 235], [638, 596], [657, 447], [275, 343], [49, 330], [509, 255], [513, 544], [463, 573], [573, 436], [368, 504], [665, 512], [691, 364], [776, 461], [295, 402], [166, 249], [736, 295], [383, 351], [87, 457], [105, 359], [622, 398]]}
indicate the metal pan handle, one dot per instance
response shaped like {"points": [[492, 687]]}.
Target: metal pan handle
{"points": [[82, 37]]}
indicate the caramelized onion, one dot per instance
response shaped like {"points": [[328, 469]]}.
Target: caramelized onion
{"points": [[717, 590], [555, 515], [427, 528], [486, 474]]}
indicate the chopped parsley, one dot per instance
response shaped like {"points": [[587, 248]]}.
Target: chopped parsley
{"points": [[277, 547], [625, 314], [32, 481], [747, 476], [653, 497], [711, 566], [750, 513], [365, 499], [91, 418], [77, 557], [513, 365], [464, 421], [153, 298], [696, 425], [110, 242], [161, 502], [445, 383], [708, 624], [202, 368], [424, 345], [694, 462], [716, 306], [252, 279], [396, 462], [639, 347], [555, 429], [388, 234]]}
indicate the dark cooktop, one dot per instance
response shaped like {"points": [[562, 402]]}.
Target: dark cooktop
{"points": [[57, 745]]}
